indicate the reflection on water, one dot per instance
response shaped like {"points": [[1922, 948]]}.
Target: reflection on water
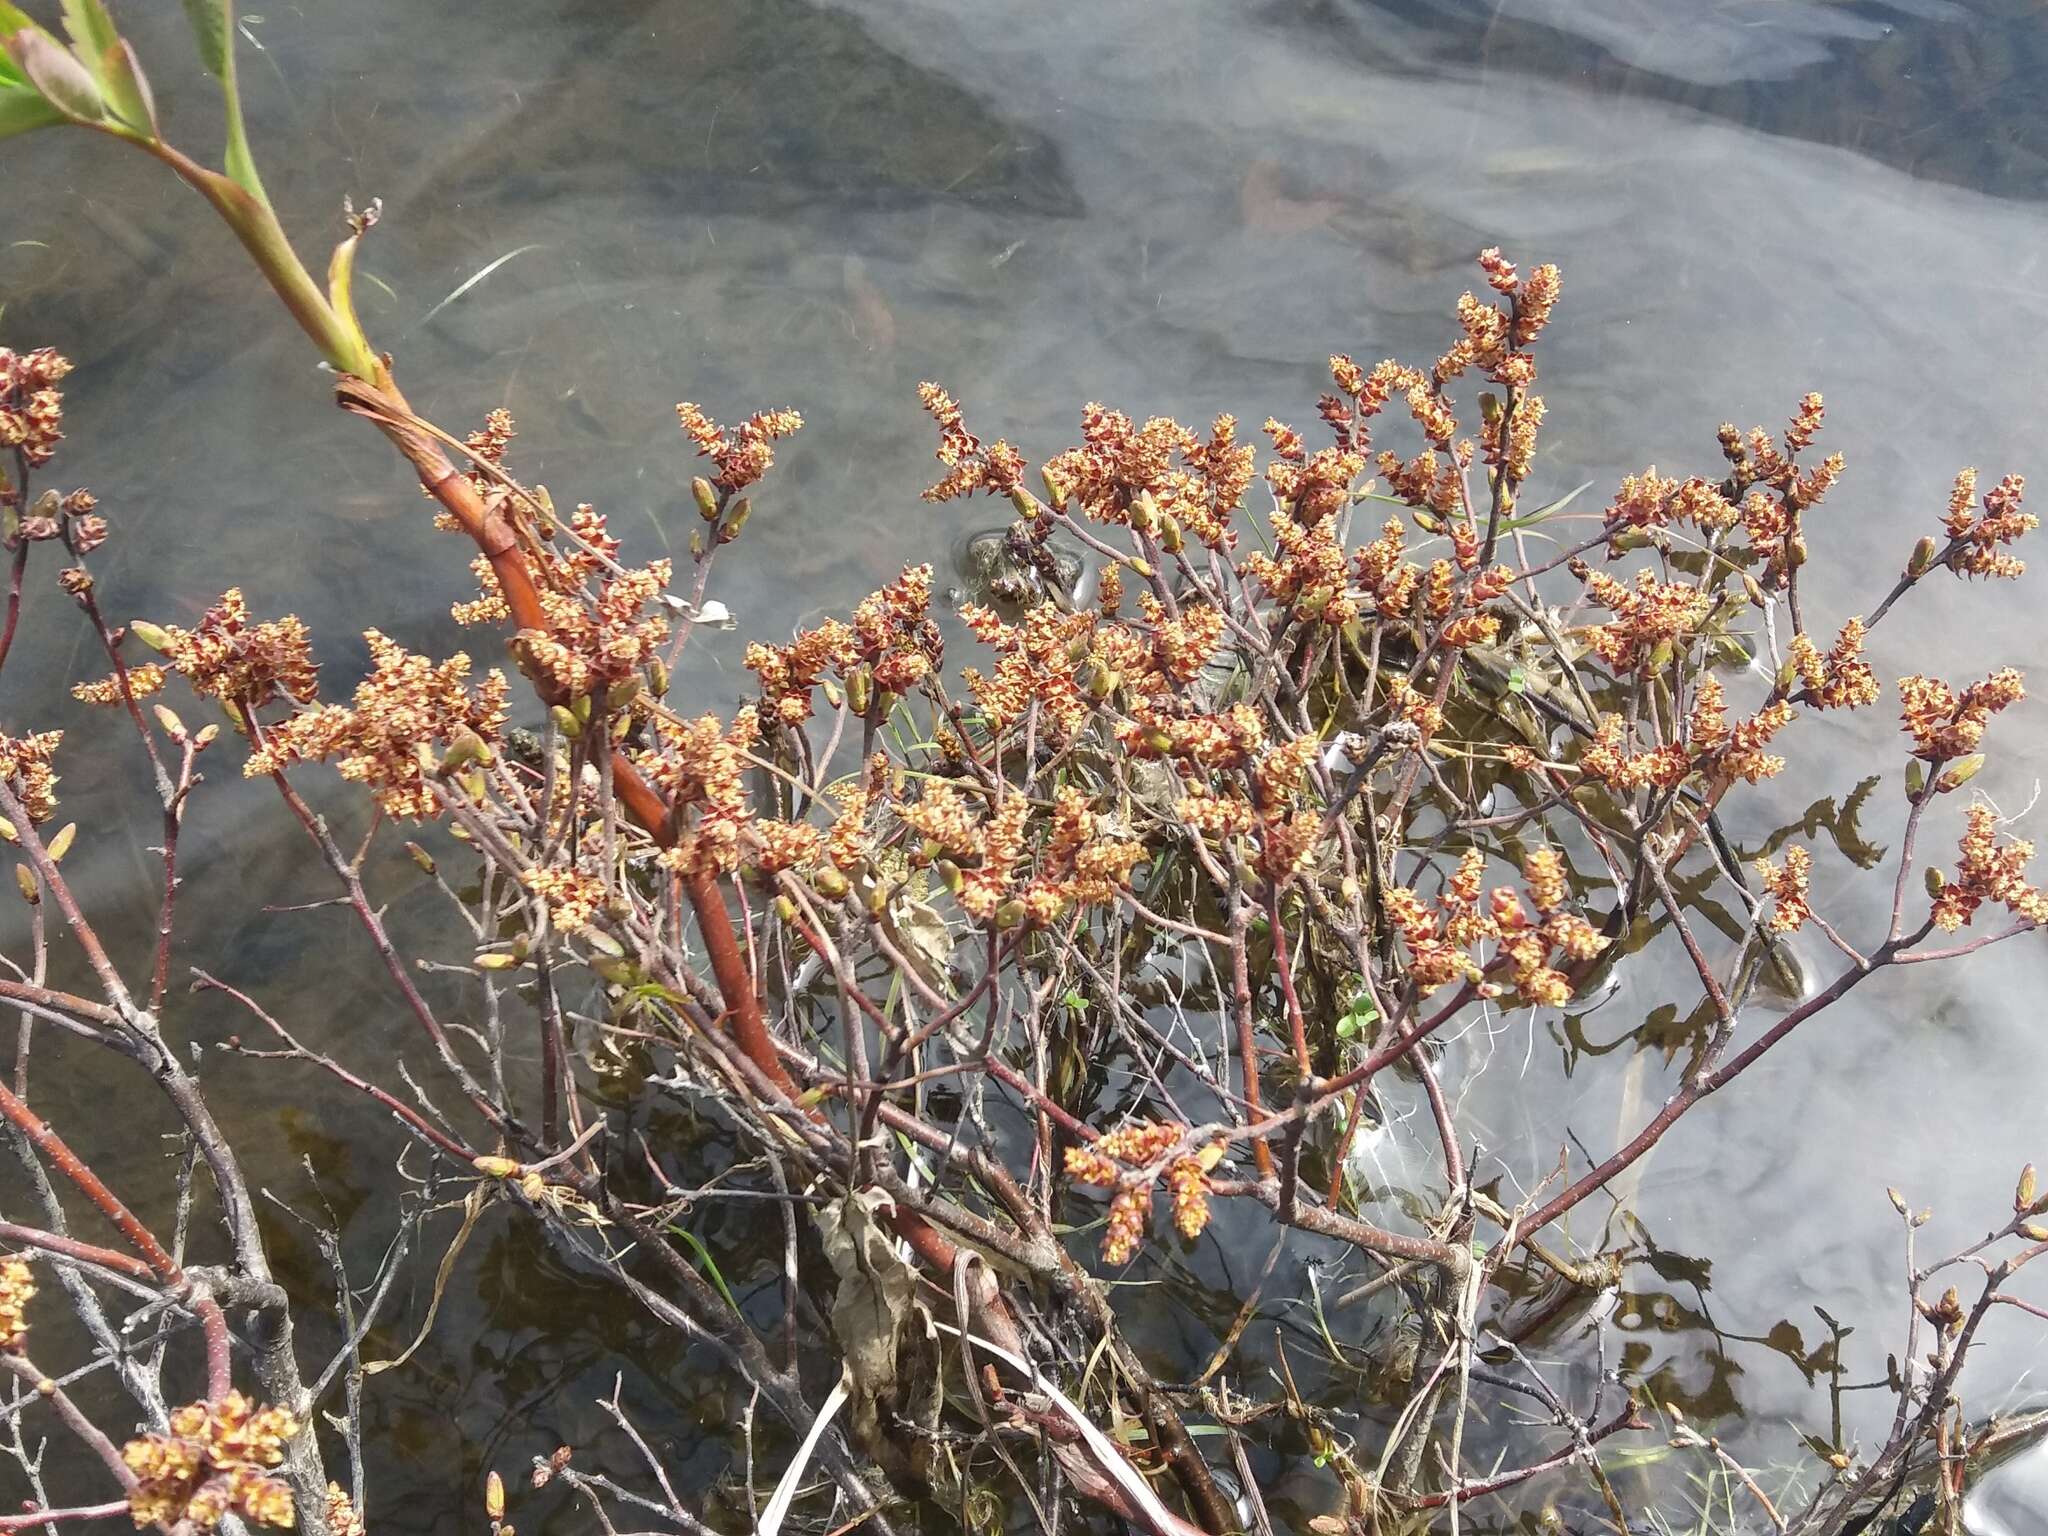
{"points": [[765, 202]]}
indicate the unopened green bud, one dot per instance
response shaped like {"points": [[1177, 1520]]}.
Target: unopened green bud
{"points": [[785, 909], [1966, 769], [1142, 569], [1023, 501], [1916, 778], [61, 843], [421, 857], [1099, 679], [657, 677], [1935, 881], [706, 495], [1054, 491], [1170, 538], [25, 879], [206, 737], [565, 721], [1145, 513], [497, 962], [464, 747], [152, 635], [603, 942], [949, 875], [168, 719], [1922, 558], [623, 692], [735, 520], [1010, 914], [859, 690], [830, 883]]}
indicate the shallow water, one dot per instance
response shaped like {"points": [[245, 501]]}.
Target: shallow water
{"points": [[764, 202]]}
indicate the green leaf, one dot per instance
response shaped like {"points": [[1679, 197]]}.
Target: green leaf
{"points": [[127, 88], [12, 21], [705, 1262], [65, 83], [213, 23], [1356, 1019], [23, 110], [91, 28]]}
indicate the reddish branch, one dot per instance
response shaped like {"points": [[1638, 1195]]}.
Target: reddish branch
{"points": [[132, 1230]]}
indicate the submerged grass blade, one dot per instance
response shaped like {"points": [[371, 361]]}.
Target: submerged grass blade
{"points": [[470, 282], [785, 1490]]}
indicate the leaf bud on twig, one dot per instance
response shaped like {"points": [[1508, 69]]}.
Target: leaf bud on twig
{"points": [[706, 495], [1965, 770], [741, 511]]}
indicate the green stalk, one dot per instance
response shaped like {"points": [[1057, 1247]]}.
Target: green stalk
{"points": [[256, 225]]}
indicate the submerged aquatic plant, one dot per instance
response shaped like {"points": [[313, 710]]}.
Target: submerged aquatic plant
{"points": [[1395, 753]]}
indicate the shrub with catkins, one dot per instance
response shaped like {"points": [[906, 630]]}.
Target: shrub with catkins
{"points": [[1341, 759], [17, 1290], [216, 1460]]}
